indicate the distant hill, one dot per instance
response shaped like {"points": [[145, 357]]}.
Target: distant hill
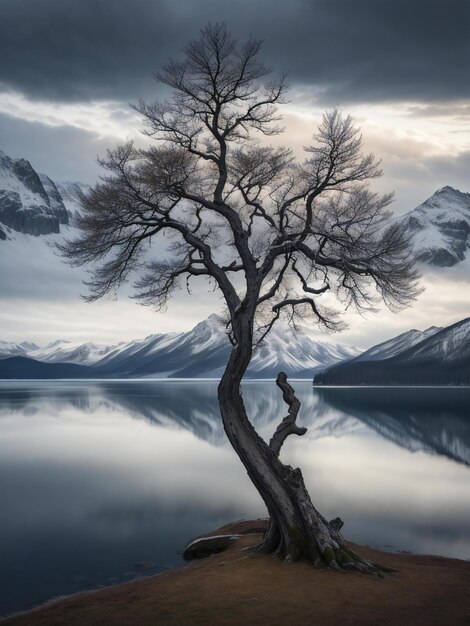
{"points": [[441, 358], [23, 367]]}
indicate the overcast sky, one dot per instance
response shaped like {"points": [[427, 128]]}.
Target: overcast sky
{"points": [[70, 68]]}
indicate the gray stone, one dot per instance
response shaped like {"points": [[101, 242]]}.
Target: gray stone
{"points": [[205, 546]]}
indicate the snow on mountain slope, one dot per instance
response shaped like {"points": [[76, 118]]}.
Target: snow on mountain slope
{"points": [[448, 345], [10, 348], [203, 352], [440, 227], [62, 351], [28, 345], [72, 194], [167, 354], [294, 352], [397, 344], [125, 358]]}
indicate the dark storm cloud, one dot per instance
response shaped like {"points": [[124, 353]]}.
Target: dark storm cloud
{"points": [[415, 180], [53, 150], [353, 50]]}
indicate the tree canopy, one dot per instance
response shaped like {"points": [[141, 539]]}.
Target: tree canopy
{"points": [[218, 201]]}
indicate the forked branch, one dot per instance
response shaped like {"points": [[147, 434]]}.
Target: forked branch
{"points": [[287, 426]]}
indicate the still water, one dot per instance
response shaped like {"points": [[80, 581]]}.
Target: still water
{"points": [[103, 482]]}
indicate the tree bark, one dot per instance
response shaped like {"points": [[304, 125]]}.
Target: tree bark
{"points": [[296, 530]]}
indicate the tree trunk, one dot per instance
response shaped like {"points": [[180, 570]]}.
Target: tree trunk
{"points": [[296, 530]]}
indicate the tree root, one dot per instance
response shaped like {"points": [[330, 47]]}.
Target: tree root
{"points": [[339, 557], [344, 559], [271, 540]]}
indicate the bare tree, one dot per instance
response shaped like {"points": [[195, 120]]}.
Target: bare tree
{"points": [[274, 236]]}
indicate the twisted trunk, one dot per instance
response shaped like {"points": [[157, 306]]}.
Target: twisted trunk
{"points": [[296, 530]]}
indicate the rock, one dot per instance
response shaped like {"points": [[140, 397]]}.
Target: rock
{"points": [[205, 546], [242, 527], [25, 173]]}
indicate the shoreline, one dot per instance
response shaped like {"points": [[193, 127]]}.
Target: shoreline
{"points": [[239, 586]]}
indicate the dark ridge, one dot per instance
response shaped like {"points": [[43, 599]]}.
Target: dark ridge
{"points": [[23, 367]]}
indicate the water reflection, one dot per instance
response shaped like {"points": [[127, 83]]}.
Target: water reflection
{"points": [[436, 420], [96, 477]]}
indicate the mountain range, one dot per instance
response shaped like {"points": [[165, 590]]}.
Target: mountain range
{"points": [[200, 352], [437, 356]]}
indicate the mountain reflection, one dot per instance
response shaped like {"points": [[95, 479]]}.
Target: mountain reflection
{"points": [[434, 420], [191, 405]]}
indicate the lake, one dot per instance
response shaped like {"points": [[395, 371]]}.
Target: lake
{"points": [[105, 481]]}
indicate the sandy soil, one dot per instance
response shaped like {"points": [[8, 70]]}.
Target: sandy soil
{"points": [[241, 587]]}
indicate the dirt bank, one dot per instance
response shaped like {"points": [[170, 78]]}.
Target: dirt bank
{"points": [[244, 588]]}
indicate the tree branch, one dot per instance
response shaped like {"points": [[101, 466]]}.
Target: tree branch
{"points": [[305, 287], [287, 426]]}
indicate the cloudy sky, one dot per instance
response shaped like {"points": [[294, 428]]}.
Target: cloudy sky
{"points": [[70, 68]]}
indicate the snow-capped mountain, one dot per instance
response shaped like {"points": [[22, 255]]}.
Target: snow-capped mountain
{"points": [[204, 350], [10, 348], [200, 352], [440, 358], [292, 351], [440, 227], [449, 345], [63, 351], [32, 203], [397, 344]]}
